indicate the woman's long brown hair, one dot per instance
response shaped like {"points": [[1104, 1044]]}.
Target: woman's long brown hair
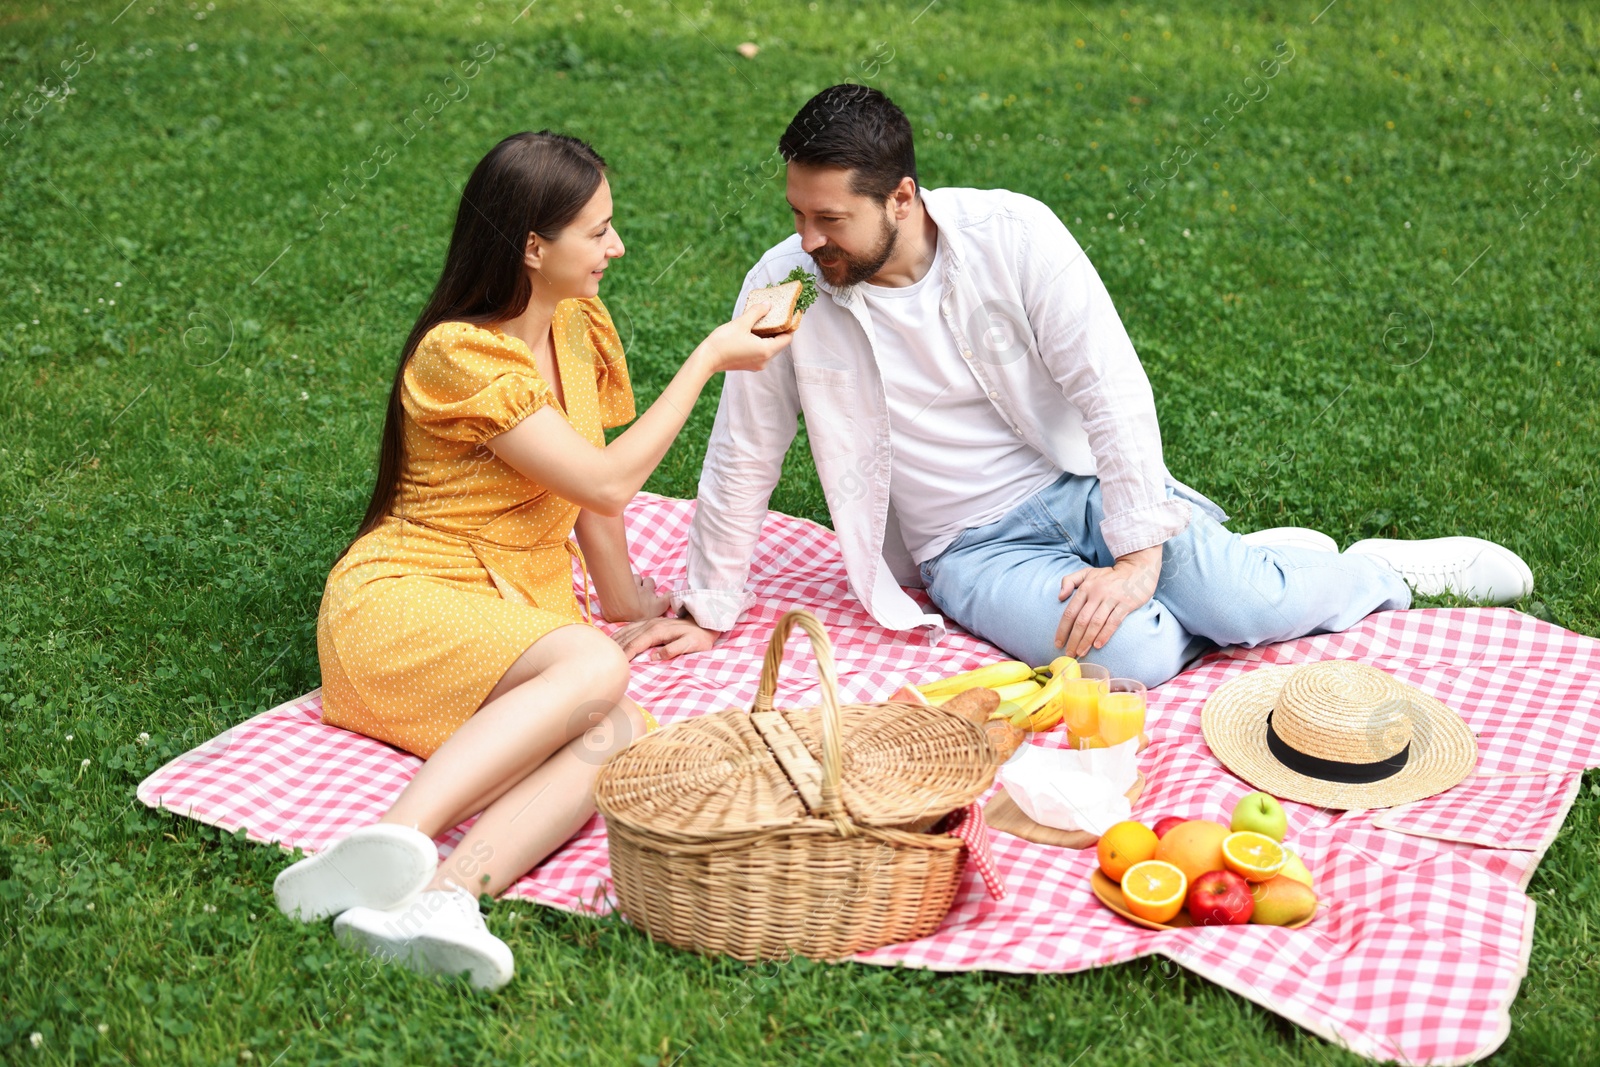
{"points": [[528, 183]]}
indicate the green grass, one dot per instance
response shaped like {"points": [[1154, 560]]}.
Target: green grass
{"points": [[1347, 325]]}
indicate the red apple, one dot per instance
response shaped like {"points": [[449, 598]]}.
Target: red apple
{"points": [[1168, 823], [1220, 898]]}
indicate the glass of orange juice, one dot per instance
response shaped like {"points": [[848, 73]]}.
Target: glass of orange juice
{"points": [[1081, 698], [1122, 711]]}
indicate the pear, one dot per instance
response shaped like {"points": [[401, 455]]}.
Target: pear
{"points": [[1281, 901], [1295, 868]]}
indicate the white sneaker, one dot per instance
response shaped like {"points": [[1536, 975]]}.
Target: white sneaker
{"points": [[441, 933], [1469, 567], [1292, 537], [379, 866]]}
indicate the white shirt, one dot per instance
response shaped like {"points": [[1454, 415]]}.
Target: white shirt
{"points": [[936, 405], [1036, 329]]}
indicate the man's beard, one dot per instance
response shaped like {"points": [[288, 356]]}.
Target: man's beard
{"points": [[857, 269]]}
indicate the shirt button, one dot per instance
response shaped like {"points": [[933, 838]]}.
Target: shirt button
{"points": [[966, 353], [994, 396]]}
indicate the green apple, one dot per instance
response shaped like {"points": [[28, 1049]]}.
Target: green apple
{"points": [[1262, 813]]}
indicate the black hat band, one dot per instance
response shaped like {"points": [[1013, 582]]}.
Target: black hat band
{"points": [[1334, 770]]}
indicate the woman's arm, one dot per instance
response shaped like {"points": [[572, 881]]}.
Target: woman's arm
{"points": [[624, 595], [546, 449]]}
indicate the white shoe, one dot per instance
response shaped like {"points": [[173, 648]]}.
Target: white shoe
{"points": [[379, 866], [1292, 537], [1469, 567], [441, 932]]}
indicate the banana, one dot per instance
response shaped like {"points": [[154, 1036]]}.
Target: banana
{"points": [[1020, 710], [1047, 717], [1018, 691], [1065, 667], [1007, 672], [1039, 709], [1015, 695]]}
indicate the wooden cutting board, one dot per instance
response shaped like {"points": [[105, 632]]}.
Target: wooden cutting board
{"points": [[1002, 813]]}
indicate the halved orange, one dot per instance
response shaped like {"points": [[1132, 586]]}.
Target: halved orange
{"points": [[1154, 890], [1255, 857]]}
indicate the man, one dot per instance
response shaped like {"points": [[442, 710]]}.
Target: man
{"points": [[983, 428]]}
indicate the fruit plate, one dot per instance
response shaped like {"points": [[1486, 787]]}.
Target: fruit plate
{"points": [[1110, 894]]}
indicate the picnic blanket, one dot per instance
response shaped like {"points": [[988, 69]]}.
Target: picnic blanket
{"points": [[1426, 931]]}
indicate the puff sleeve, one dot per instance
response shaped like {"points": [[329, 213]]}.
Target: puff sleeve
{"points": [[467, 384], [613, 386]]}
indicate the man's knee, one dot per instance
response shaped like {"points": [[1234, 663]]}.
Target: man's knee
{"points": [[1150, 647]]}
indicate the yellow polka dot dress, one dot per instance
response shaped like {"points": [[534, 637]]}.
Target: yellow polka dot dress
{"points": [[425, 613]]}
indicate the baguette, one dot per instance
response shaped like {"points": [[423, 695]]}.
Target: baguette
{"points": [[976, 705], [1004, 738]]}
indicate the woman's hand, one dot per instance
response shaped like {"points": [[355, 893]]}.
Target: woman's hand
{"points": [[732, 346], [645, 602], [652, 605]]}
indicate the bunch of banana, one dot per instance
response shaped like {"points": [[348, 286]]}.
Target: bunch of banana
{"points": [[1042, 709], [996, 676], [1028, 695]]}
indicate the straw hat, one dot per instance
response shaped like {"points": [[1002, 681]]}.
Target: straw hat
{"points": [[1337, 734]]}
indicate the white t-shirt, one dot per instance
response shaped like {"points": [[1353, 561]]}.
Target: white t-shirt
{"points": [[956, 462]]}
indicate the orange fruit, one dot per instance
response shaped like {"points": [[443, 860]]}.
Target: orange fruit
{"points": [[1255, 857], [1124, 845], [1194, 847], [1154, 890]]}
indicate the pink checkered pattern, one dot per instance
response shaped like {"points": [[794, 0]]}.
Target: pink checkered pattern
{"points": [[1510, 811], [975, 832], [1424, 933]]}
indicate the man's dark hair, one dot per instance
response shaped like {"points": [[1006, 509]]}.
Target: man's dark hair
{"points": [[856, 127]]}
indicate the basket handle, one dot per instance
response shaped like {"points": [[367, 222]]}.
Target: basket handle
{"points": [[832, 720]]}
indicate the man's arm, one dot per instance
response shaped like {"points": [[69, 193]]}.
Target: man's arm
{"points": [[757, 418], [1087, 350]]}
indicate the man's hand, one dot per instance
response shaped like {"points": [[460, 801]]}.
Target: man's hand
{"points": [[1102, 597], [669, 637]]}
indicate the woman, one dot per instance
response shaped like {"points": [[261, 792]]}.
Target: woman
{"points": [[449, 626]]}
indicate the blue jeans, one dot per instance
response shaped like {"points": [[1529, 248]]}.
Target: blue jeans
{"points": [[1001, 582]]}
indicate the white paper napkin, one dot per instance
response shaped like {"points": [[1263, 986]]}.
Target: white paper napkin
{"points": [[1073, 790]]}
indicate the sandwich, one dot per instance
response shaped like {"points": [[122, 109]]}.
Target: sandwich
{"points": [[786, 302]]}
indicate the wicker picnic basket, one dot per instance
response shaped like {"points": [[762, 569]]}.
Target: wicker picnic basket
{"points": [[728, 834]]}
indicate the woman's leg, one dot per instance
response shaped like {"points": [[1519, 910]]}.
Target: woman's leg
{"points": [[567, 682], [537, 815]]}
